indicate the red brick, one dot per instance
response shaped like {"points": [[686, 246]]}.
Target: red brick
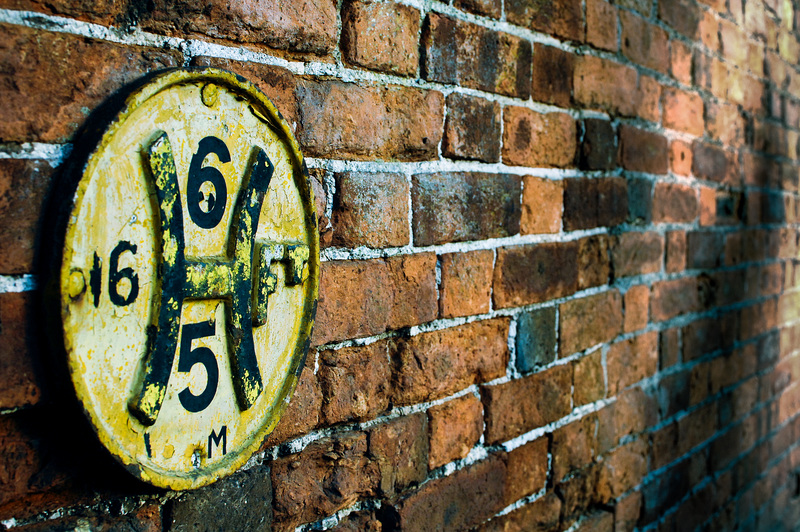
{"points": [[542, 203], [455, 428], [472, 129], [561, 18], [354, 382], [541, 515], [146, 519], [526, 471], [363, 521], [573, 447], [454, 207], [680, 158], [456, 502], [674, 203], [708, 205], [552, 75], [594, 266], [328, 475], [538, 140], [370, 210], [390, 122], [733, 42], [632, 360], [681, 61], [676, 251], [603, 84], [577, 495], [632, 413], [46, 100], [697, 427], [642, 151], [303, 412], [648, 99], [681, 15], [644, 43], [636, 253], [683, 111], [399, 449], [636, 302], [622, 470], [596, 521], [725, 123], [466, 283], [594, 202], [673, 298], [601, 25], [669, 351], [556, 264], [457, 52], [704, 249], [521, 405], [715, 164], [589, 321], [436, 364], [599, 145], [589, 382], [307, 26], [362, 298], [23, 188], [490, 8], [708, 27], [381, 36], [20, 365]]}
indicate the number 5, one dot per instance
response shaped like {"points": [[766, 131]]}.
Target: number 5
{"points": [[200, 355]]}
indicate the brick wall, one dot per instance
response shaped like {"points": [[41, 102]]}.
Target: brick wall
{"points": [[560, 262]]}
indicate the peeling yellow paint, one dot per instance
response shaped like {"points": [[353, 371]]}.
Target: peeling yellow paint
{"points": [[112, 292]]}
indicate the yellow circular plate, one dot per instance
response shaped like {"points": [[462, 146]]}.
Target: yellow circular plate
{"points": [[189, 277]]}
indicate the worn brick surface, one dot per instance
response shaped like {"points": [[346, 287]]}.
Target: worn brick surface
{"points": [[588, 321], [466, 283], [542, 205], [603, 84], [637, 253], [564, 19], [674, 203], [542, 514], [642, 151], [573, 447], [636, 302], [453, 207], [713, 163], [589, 381], [381, 36], [303, 412], [399, 449], [632, 360], [527, 469], [590, 202], [20, 364], [536, 139], [552, 75], [598, 149], [556, 264], [601, 24], [536, 339], [455, 428], [370, 210], [644, 43], [472, 129], [594, 264]]}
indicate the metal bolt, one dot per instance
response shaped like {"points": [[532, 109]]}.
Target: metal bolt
{"points": [[209, 94], [76, 285]]}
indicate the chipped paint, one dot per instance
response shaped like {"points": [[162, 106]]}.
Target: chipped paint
{"points": [[183, 333]]}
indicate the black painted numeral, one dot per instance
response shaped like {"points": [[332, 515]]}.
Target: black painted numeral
{"points": [[220, 440], [199, 355], [115, 275], [199, 174]]}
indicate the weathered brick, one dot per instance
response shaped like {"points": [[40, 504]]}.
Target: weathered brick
{"points": [[370, 210], [556, 267], [490, 8], [594, 265], [642, 151], [714, 163], [536, 339], [361, 298], [636, 303], [704, 249], [637, 254], [438, 363], [363, 521], [593, 202], [680, 158], [697, 427], [725, 123], [680, 61], [472, 129], [306, 26], [20, 364], [521, 405], [632, 413], [683, 111], [355, 382], [23, 189], [601, 25], [389, 122], [603, 84], [552, 75], [527, 468], [589, 321], [630, 361], [46, 100], [589, 381], [399, 449], [669, 351], [473, 56], [674, 203], [542, 203], [648, 99], [673, 298], [542, 514], [640, 201], [599, 146], [562, 18], [381, 36], [326, 476], [644, 43], [466, 283], [455, 428], [573, 447], [454, 207], [456, 502], [535, 139], [577, 494], [303, 412], [676, 251], [622, 470], [682, 15]]}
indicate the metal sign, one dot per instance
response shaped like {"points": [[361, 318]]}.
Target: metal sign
{"points": [[189, 277]]}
